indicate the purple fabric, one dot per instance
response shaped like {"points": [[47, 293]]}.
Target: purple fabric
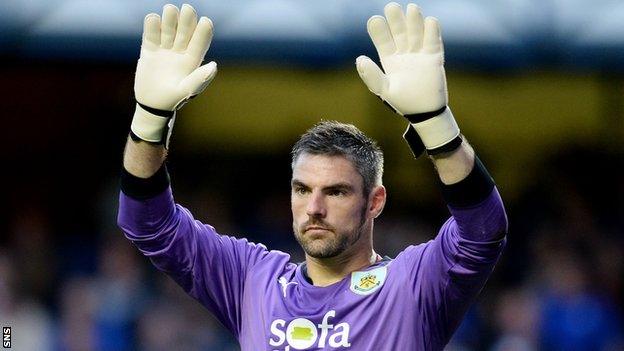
{"points": [[267, 303]]}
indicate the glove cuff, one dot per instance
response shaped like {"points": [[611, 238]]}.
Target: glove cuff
{"points": [[150, 124], [436, 129]]}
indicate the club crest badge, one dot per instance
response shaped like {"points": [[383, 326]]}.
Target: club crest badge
{"points": [[367, 282]]}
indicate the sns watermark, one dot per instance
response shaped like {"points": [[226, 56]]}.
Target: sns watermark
{"points": [[6, 337]]}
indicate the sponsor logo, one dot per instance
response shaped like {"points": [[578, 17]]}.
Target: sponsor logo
{"points": [[367, 282], [301, 333]]}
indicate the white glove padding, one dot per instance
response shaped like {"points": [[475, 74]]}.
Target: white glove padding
{"points": [[168, 71], [414, 83]]}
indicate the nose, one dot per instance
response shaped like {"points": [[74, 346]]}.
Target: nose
{"points": [[316, 206]]}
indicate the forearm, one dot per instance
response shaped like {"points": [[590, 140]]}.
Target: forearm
{"points": [[143, 159], [454, 166], [471, 194]]}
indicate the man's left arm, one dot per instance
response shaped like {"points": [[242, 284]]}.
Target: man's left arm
{"points": [[448, 272], [466, 184], [412, 82]]}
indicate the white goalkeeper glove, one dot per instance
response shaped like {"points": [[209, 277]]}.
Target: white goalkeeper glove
{"points": [[168, 71], [414, 83]]}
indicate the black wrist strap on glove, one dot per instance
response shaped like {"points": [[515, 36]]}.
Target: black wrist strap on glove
{"points": [[421, 117], [138, 138], [416, 145], [164, 137], [413, 139], [157, 112], [144, 188], [162, 141], [471, 190]]}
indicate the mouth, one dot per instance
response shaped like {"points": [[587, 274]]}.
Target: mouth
{"points": [[316, 229]]}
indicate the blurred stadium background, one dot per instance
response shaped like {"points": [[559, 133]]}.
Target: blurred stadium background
{"points": [[537, 87]]}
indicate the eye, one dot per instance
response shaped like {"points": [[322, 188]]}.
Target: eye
{"points": [[300, 190], [336, 192]]}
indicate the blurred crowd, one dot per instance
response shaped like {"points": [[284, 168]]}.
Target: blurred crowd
{"points": [[559, 285], [118, 306]]}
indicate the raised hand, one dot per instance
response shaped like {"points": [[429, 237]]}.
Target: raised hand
{"points": [[168, 71], [413, 81], [412, 56]]}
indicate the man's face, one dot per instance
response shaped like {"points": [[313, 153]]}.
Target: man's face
{"points": [[328, 204]]}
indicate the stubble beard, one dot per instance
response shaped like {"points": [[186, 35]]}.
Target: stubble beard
{"points": [[333, 244]]}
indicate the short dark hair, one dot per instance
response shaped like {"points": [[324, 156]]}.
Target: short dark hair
{"points": [[333, 138]]}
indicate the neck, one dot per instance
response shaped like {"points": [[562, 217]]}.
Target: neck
{"points": [[327, 271]]}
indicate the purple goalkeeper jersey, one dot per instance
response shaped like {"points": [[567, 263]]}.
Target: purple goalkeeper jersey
{"points": [[412, 302]]}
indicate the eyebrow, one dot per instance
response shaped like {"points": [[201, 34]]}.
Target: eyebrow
{"points": [[338, 186]]}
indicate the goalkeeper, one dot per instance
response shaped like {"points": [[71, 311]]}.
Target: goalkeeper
{"points": [[345, 295]]}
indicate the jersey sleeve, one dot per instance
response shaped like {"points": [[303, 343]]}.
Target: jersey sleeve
{"points": [[209, 267], [447, 273]]}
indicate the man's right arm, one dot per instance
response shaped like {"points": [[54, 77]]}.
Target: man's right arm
{"points": [[209, 267]]}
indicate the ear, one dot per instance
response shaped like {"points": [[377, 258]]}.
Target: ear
{"points": [[376, 201]]}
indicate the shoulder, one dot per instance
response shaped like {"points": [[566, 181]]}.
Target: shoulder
{"points": [[412, 254], [263, 259]]}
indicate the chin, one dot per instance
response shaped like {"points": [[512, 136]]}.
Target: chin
{"points": [[322, 251], [323, 254]]}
